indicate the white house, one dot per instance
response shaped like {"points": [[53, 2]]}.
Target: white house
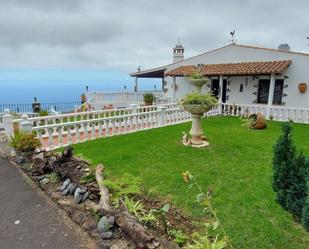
{"points": [[239, 74]]}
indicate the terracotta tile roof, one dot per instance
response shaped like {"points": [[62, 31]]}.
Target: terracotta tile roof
{"points": [[242, 68]]}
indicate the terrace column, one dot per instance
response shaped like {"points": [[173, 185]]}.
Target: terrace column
{"points": [[174, 89], [220, 93], [136, 84], [270, 94]]}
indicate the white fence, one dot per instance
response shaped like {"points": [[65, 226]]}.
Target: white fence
{"points": [[277, 113], [99, 99], [58, 135], [65, 129]]}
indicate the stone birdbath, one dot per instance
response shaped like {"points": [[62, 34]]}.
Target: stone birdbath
{"points": [[197, 104]]}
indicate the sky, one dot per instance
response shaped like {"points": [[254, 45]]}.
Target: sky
{"points": [[110, 39]]}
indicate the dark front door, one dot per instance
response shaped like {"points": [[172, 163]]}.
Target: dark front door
{"points": [[263, 91], [215, 89], [224, 91]]}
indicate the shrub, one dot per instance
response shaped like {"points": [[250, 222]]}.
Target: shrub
{"points": [[289, 181], [149, 97], [305, 211], [199, 99], [15, 140], [43, 113], [196, 75], [28, 142]]}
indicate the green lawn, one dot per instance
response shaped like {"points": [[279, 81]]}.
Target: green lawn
{"points": [[237, 166]]}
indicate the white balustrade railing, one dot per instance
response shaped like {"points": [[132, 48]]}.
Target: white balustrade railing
{"points": [[278, 113], [58, 135], [77, 116], [65, 129], [125, 98]]}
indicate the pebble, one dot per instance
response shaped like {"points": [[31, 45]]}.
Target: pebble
{"points": [[111, 221], [106, 235], [71, 187], [44, 181], [65, 184], [65, 192], [78, 196], [85, 196], [104, 224]]}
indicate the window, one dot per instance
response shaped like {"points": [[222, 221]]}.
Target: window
{"points": [[263, 90], [241, 87]]}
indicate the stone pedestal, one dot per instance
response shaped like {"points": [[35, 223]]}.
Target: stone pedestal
{"points": [[196, 132]]}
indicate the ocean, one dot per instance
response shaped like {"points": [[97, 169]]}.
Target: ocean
{"points": [[21, 86]]}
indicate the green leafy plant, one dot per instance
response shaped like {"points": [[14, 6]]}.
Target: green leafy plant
{"points": [[43, 113], [149, 97], [162, 214], [195, 98], [137, 209], [133, 207], [24, 142], [210, 238], [28, 142], [126, 185], [53, 177], [95, 214], [196, 75], [15, 140], [179, 237]]}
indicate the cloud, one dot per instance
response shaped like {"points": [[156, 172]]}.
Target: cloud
{"points": [[122, 35]]}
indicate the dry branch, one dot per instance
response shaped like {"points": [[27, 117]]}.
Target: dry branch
{"points": [[129, 225]]}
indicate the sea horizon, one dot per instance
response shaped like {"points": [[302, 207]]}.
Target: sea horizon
{"points": [[20, 86]]}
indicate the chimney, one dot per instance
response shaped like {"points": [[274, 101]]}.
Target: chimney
{"points": [[178, 52], [284, 47]]}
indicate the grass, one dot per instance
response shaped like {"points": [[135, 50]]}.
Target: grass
{"points": [[237, 167]]}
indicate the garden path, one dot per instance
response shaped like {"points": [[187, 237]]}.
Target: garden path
{"points": [[27, 218]]}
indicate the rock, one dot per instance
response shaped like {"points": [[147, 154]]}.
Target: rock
{"points": [[65, 192], [71, 187], [103, 225], [21, 160], [106, 235], [111, 221], [65, 184], [85, 196], [78, 196], [39, 178], [44, 181]]}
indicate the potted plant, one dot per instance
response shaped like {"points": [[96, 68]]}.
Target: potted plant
{"points": [[197, 104], [28, 143], [197, 79], [148, 98]]}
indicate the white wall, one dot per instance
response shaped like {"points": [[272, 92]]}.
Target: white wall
{"points": [[297, 72]]}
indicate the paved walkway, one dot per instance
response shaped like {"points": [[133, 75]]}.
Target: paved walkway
{"points": [[26, 218]]}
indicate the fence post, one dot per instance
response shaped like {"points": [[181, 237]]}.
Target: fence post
{"points": [[162, 115], [25, 124], [134, 108], [7, 121]]}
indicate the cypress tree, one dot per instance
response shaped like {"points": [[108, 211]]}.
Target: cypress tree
{"points": [[284, 154], [305, 213], [297, 192]]}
